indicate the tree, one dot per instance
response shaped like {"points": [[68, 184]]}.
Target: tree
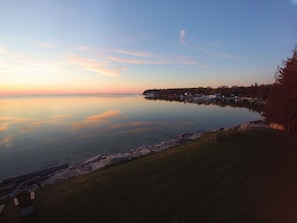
{"points": [[282, 102]]}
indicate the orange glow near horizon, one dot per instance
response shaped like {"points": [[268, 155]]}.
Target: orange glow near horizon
{"points": [[60, 90]]}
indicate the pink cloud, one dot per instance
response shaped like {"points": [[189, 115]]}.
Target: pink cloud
{"points": [[131, 61], [134, 53], [94, 65], [159, 59], [82, 48]]}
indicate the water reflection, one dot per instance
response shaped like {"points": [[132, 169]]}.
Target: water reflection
{"points": [[37, 132], [97, 120], [52, 120], [7, 121], [254, 107], [6, 142]]}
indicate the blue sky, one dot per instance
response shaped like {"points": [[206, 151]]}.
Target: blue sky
{"points": [[63, 46]]}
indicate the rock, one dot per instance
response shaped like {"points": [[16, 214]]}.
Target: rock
{"points": [[93, 159], [185, 135], [99, 161]]}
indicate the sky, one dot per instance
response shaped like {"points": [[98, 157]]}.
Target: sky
{"points": [[128, 46]]}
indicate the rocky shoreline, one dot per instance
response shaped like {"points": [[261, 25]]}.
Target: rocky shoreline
{"points": [[33, 181]]}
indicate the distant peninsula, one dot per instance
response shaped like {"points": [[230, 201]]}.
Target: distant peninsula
{"points": [[253, 97], [253, 91]]}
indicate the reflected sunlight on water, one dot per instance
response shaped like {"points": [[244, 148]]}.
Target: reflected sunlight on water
{"points": [[43, 131]]}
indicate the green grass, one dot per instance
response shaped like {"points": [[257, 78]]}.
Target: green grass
{"points": [[249, 177]]}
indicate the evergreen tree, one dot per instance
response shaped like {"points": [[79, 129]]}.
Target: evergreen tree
{"points": [[282, 103]]}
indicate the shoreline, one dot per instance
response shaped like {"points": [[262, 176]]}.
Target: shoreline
{"points": [[35, 180]]}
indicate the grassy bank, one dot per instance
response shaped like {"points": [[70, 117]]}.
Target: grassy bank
{"points": [[249, 177]]}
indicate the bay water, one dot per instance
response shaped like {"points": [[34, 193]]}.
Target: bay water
{"points": [[38, 132]]}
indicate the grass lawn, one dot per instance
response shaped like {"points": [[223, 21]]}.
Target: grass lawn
{"points": [[249, 177]]}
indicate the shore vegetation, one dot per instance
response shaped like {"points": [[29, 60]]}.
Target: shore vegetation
{"points": [[282, 102]]}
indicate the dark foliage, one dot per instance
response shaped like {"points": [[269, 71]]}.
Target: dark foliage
{"points": [[282, 103], [255, 90]]}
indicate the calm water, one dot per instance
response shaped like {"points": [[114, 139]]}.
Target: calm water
{"points": [[40, 132]]}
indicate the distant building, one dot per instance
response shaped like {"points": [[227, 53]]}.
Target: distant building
{"points": [[277, 126]]}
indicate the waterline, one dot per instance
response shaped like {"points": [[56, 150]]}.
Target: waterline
{"points": [[41, 132]]}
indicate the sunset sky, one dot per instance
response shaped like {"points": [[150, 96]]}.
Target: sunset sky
{"points": [[127, 46]]}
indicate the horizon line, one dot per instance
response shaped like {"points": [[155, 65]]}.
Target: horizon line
{"points": [[60, 94]]}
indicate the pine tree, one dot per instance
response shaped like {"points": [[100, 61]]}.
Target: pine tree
{"points": [[282, 103]]}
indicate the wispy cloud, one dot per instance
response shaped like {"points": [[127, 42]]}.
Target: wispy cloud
{"points": [[112, 56], [182, 40], [134, 53], [4, 50], [182, 34], [158, 59], [140, 57], [130, 61], [81, 47], [31, 41], [44, 44], [105, 62], [19, 61], [16, 56], [95, 65]]}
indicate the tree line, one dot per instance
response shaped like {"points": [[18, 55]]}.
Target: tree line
{"points": [[255, 90], [281, 96], [282, 102]]}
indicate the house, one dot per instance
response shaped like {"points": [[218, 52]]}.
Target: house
{"points": [[277, 126]]}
